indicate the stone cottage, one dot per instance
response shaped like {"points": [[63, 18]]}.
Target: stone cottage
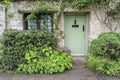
{"points": [[76, 29]]}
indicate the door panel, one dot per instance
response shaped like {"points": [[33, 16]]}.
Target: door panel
{"points": [[75, 36]]}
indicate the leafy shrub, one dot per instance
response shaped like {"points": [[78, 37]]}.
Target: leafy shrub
{"points": [[65, 49], [105, 54], [107, 44], [15, 43], [1, 66], [104, 65], [92, 62], [49, 61], [0, 50], [0, 56]]}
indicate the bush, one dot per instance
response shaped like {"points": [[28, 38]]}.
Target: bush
{"points": [[107, 44], [49, 61], [0, 56], [104, 65], [105, 54], [16, 43]]}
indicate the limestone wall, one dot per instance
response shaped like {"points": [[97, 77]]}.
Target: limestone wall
{"points": [[15, 21], [2, 19], [96, 27]]}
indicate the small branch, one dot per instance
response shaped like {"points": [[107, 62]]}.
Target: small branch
{"points": [[94, 9], [118, 24]]}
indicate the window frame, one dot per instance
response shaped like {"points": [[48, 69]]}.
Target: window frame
{"points": [[39, 15]]}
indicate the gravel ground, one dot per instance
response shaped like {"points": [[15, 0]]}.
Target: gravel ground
{"points": [[79, 72]]}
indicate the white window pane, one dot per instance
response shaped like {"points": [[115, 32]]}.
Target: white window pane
{"points": [[49, 24]]}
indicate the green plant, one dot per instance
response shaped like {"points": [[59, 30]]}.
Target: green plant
{"points": [[31, 17], [16, 43], [49, 61], [11, 15], [92, 62], [107, 44], [1, 66], [104, 65], [105, 54], [0, 55], [7, 3]]}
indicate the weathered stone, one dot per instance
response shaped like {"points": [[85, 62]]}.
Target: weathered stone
{"points": [[2, 19]]}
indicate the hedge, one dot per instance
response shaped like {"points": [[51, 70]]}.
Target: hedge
{"points": [[105, 54], [107, 44], [16, 43]]}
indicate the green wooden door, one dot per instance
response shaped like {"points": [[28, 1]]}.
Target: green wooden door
{"points": [[75, 30]]}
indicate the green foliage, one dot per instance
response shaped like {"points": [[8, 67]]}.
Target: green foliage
{"points": [[114, 13], [1, 50], [43, 7], [31, 17], [16, 43], [104, 65], [107, 44], [11, 15], [7, 3], [1, 66], [81, 4], [49, 61], [92, 62], [0, 55], [105, 54], [98, 2]]}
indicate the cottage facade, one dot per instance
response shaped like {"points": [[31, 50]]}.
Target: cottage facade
{"points": [[76, 29]]}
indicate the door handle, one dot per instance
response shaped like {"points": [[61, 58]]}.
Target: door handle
{"points": [[83, 28]]}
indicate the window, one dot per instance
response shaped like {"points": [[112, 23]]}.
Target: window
{"points": [[41, 22]]}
